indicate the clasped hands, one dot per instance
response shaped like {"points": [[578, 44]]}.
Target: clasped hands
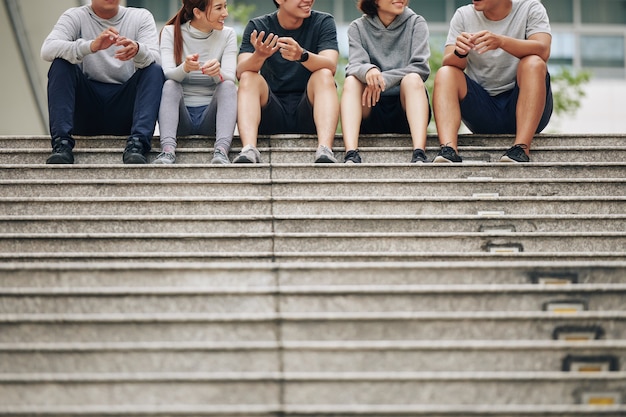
{"points": [[480, 42], [111, 37], [211, 68]]}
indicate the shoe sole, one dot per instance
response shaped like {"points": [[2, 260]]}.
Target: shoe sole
{"points": [[58, 160], [442, 160], [511, 160], [324, 160], [135, 159], [243, 160]]}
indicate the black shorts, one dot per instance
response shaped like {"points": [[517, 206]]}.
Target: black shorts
{"points": [[388, 116], [287, 113]]}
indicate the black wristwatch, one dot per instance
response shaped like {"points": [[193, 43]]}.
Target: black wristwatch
{"points": [[305, 56]]}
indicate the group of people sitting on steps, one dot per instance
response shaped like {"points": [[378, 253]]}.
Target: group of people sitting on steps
{"points": [[112, 73]]}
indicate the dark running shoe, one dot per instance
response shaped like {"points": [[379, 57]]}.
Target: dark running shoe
{"points": [[516, 154], [61, 152], [447, 154], [418, 156], [352, 157], [135, 152]]}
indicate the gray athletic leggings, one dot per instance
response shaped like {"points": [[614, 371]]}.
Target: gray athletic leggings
{"points": [[219, 118]]}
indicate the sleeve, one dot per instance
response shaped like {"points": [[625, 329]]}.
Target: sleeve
{"points": [[358, 58], [246, 46], [419, 56], [64, 41], [229, 58], [168, 61], [457, 26], [538, 21], [148, 40], [327, 34]]}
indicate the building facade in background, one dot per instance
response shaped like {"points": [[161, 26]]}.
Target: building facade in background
{"points": [[587, 34]]}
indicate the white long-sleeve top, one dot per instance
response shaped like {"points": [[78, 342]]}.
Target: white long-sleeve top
{"points": [[198, 88]]}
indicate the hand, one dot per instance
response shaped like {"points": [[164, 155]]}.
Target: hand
{"points": [[105, 40], [485, 41], [375, 86], [191, 63], [267, 47], [128, 50], [464, 43], [212, 68], [290, 49]]}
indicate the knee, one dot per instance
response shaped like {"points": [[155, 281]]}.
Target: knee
{"points": [[323, 78], [412, 81], [154, 72], [61, 67], [171, 87], [249, 80], [532, 64], [448, 75], [352, 85], [227, 87]]}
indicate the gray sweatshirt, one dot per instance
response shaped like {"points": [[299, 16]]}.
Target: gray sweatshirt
{"points": [[73, 33], [397, 50]]}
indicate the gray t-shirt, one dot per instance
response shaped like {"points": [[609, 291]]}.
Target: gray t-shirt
{"points": [[496, 70]]}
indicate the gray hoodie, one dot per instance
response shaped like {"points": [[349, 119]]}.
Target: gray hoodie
{"points": [[71, 38], [397, 50]]}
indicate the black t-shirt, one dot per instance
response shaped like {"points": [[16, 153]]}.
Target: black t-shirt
{"points": [[317, 33]]}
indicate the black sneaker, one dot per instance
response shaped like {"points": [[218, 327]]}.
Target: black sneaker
{"points": [[447, 154], [516, 154], [135, 151], [418, 156], [61, 152], [352, 157]]}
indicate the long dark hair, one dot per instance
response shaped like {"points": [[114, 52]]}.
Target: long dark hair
{"points": [[184, 15], [369, 7]]}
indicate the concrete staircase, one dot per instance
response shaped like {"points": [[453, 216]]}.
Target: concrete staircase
{"points": [[293, 289]]}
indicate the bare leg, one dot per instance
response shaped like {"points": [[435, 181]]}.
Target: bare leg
{"points": [[531, 78], [253, 93], [352, 112], [415, 104], [450, 89], [322, 90]]}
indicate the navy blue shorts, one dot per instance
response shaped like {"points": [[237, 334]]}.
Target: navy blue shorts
{"points": [[485, 114], [287, 113], [388, 116]]}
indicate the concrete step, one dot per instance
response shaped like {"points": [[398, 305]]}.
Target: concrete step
{"points": [[319, 242], [409, 356], [311, 187], [466, 170], [447, 298], [250, 276], [335, 411], [28, 224], [317, 326], [479, 205], [305, 154], [304, 389]]}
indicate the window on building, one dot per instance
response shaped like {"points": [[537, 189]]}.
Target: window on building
{"points": [[432, 11], [161, 9], [603, 11], [559, 11]]}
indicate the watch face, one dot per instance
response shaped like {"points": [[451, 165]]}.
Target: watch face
{"points": [[305, 56]]}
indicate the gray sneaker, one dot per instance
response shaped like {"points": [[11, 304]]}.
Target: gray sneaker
{"points": [[248, 155], [165, 158], [324, 155], [219, 157]]}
